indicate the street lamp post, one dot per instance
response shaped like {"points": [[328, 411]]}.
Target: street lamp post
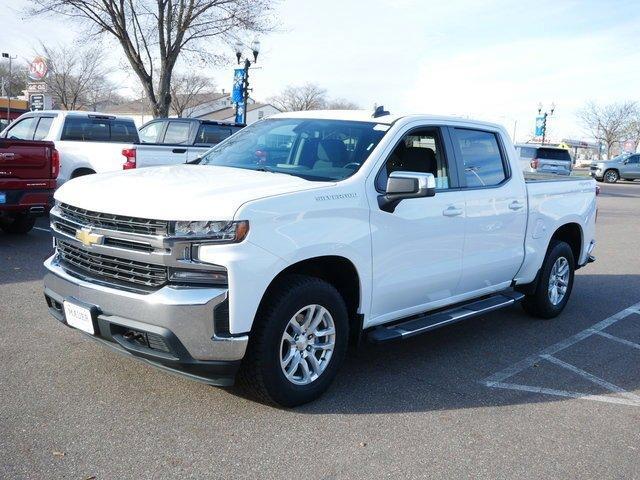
{"points": [[10, 57], [255, 50], [544, 121]]}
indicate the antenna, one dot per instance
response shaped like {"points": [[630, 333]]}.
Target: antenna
{"points": [[379, 112]]}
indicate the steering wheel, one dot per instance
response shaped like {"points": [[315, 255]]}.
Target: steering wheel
{"points": [[352, 165]]}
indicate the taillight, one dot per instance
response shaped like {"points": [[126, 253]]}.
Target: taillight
{"points": [[130, 155], [534, 163], [55, 163]]}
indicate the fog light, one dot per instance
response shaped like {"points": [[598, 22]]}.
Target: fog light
{"points": [[211, 277]]}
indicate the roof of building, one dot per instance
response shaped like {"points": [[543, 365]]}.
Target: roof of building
{"points": [[231, 111]]}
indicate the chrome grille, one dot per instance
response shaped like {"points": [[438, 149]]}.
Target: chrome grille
{"points": [[110, 269], [119, 223]]}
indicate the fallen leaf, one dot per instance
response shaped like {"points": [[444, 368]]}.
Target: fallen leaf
{"points": [[58, 454]]}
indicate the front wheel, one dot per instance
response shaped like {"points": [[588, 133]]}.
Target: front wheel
{"points": [[19, 224], [298, 342], [611, 176], [554, 283]]}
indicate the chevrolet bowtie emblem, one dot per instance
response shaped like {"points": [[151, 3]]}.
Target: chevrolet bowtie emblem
{"points": [[88, 238]]}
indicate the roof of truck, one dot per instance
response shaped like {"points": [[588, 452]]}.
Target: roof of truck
{"points": [[367, 116]]}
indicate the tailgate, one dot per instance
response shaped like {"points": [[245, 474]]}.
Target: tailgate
{"points": [[25, 159]]}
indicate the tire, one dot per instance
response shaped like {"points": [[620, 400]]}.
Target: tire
{"points": [[261, 374], [611, 176], [19, 224], [540, 303]]}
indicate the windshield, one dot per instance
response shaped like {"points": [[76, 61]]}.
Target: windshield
{"points": [[312, 149]]}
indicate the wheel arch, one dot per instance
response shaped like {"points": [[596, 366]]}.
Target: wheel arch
{"points": [[336, 270], [81, 171], [572, 234]]}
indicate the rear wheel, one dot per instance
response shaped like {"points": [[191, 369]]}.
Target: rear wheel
{"points": [[611, 176], [297, 344], [554, 283], [19, 224]]}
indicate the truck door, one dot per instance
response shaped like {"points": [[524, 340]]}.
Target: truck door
{"points": [[496, 210], [631, 168], [172, 146], [417, 249]]}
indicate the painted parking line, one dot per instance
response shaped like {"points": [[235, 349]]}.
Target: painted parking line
{"points": [[620, 396]]}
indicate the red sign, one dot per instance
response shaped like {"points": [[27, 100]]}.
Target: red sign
{"points": [[38, 68]]}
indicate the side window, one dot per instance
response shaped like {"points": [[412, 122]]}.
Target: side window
{"points": [[481, 156], [177, 133], [84, 129], [634, 159], [42, 130], [418, 151], [149, 134], [22, 130], [212, 134]]}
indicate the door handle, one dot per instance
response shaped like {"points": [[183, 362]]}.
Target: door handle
{"points": [[516, 205], [179, 150], [7, 156], [452, 212]]}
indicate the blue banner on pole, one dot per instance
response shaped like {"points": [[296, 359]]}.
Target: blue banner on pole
{"points": [[240, 118], [539, 125], [237, 94]]}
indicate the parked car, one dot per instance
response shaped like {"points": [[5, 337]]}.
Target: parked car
{"points": [[167, 141], [87, 142], [625, 166], [28, 171], [544, 159], [310, 230]]}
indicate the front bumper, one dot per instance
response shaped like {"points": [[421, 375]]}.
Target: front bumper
{"points": [[172, 328]]}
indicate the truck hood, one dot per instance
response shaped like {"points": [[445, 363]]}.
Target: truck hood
{"points": [[179, 192]]}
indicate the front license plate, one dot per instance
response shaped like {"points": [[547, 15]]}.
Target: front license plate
{"points": [[3, 197], [78, 317]]}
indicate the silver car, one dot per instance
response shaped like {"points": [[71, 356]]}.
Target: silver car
{"points": [[544, 159], [625, 166]]}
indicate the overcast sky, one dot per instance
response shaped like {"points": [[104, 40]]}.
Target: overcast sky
{"points": [[486, 59]]}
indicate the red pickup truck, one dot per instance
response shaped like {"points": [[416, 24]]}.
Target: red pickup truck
{"points": [[28, 172]]}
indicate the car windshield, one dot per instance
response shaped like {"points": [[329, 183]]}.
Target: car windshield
{"points": [[322, 150]]}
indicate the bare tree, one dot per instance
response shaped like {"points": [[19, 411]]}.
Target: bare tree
{"points": [[296, 98], [77, 76], [154, 33], [187, 90], [608, 124], [342, 104], [18, 79]]}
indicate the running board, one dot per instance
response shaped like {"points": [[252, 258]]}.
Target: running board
{"points": [[431, 321]]}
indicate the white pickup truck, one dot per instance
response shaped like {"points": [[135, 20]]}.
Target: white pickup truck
{"points": [[90, 142], [306, 231]]}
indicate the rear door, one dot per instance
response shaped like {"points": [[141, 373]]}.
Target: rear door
{"points": [[209, 135], [496, 211]]}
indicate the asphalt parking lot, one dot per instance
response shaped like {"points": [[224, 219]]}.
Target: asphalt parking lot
{"points": [[502, 396]]}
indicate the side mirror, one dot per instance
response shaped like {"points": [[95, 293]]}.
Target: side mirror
{"points": [[406, 185]]}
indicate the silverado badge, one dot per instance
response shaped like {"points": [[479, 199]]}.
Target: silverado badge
{"points": [[88, 238]]}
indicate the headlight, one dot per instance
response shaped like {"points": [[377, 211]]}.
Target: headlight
{"points": [[223, 232]]}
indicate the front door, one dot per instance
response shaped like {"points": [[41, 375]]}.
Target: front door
{"points": [[631, 169], [496, 211], [417, 249]]}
